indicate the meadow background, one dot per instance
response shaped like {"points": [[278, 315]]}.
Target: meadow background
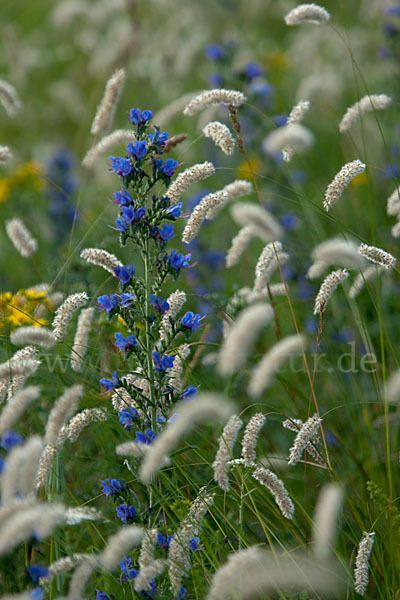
{"points": [[59, 56]]}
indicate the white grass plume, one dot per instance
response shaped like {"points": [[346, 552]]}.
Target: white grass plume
{"points": [[325, 519], [241, 336], [101, 258], [118, 136], [336, 251], [262, 375], [80, 345], [207, 407], [306, 433], [361, 572], [250, 438], [239, 187], [247, 213], [239, 244], [377, 256], [20, 468], [365, 275], [21, 238], [272, 482], [119, 544], [224, 452], [340, 182], [81, 420], [39, 336], [9, 98], [214, 97], [220, 135], [16, 406], [5, 154], [329, 285], [288, 139], [175, 300], [63, 408], [368, 103], [189, 176], [209, 204], [106, 109], [307, 13], [64, 313]]}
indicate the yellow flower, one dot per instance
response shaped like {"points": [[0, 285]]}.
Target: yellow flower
{"points": [[29, 173], [276, 60], [359, 179], [19, 309], [244, 169]]}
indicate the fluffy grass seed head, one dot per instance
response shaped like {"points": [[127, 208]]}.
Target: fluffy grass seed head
{"points": [[378, 256], [201, 211], [119, 544], [62, 410], [272, 482], [16, 405], [247, 213], [336, 251], [393, 203], [340, 182], [21, 238], [119, 136], [361, 572], [224, 452], [241, 336], [307, 13], [65, 312], [366, 104], [327, 288], [39, 336], [359, 282], [175, 300], [79, 348], [220, 135], [262, 375], [306, 433], [239, 244], [296, 116], [214, 97], [239, 187], [208, 407], [250, 438], [289, 139], [101, 258], [5, 154], [189, 176], [106, 109], [19, 473], [325, 519], [9, 98]]}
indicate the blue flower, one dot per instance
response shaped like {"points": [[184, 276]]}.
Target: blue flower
{"points": [[289, 221], [125, 343], [261, 88], [189, 392], [121, 166], [120, 225], [37, 594], [126, 299], [181, 594], [108, 303], [158, 303], [167, 232], [253, 70], [125, 512], [124, 273], [110, 384], [103, 596], [11, 439], [194, 543], [111, 486], [125, 565], [175, 211], [161, 363], [158, 139], [128, 214], [178, 261], [215, 80], [145, 438], [127, 416], [163, 541], [280, 120], [138, 150], [137, 117], [214, 52], [392, 11], [37, 571], [191, 321], [123, 198], [169, 167]]}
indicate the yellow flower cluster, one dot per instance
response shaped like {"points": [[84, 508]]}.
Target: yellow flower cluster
{"points": [[19, 309], [29, 173]]}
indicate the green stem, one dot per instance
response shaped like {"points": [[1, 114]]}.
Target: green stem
{"points": [[147, 279]]}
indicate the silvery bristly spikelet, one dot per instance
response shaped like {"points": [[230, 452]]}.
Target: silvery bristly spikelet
{"points": [[250, 438], [79, 348], [272, 482], [5, 154], [336, 251], [241, 336], [101, 258], [189, 176], [239, 244], [106, 109], [239, 187], [224, 452], [366, 104], [65, 312], [296, 116], [9, 98], [220, 135], [305, 434], [288, 139], [340, 182], [39, 336], [16, 405], [262, 375], [246, 213], [361, 572], [119, 544], [200, 212], [307, 13], [175, 300], [213, 97], [377, 256], [359, 282], [325, 519], [327, 288], [118, 136], [21, 238], [207, 407]]}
